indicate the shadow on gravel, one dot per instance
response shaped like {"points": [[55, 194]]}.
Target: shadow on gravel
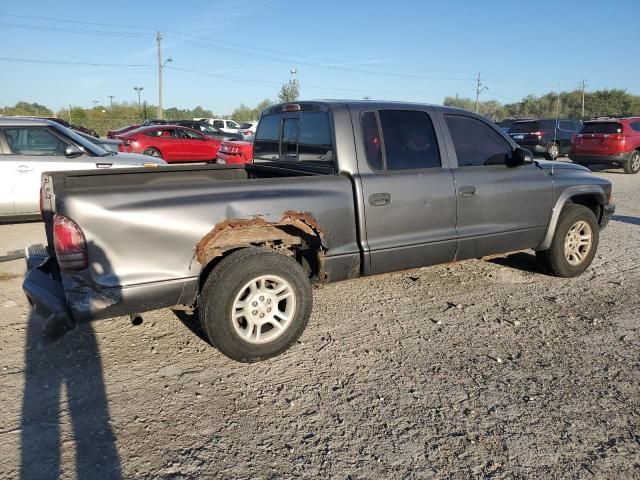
{"points": [[521, 261], [71, 364], [192, 322], [626, 219]]}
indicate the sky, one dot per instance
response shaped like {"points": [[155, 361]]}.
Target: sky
{"points": [[228, 52]]}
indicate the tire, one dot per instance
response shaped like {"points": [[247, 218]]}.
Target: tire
{"points": [[152, 152], [566, 257], [553, 151], [232, 311], [632, 165]]}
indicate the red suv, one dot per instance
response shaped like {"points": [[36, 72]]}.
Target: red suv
{"points": [[610, 140], [172, 143]]}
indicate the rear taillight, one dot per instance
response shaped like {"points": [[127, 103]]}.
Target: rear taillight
{"points": [[538, 134], [68, 240]]}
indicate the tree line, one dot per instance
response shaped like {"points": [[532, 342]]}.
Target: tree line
{"points": [[598, 103], [102, 118]]}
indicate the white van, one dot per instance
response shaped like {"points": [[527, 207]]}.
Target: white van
{"points": [[226, 126]]}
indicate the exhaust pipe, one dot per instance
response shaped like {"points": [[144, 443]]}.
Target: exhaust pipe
{"points": [[136, 319]]}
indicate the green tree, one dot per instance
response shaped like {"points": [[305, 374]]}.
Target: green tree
{"points": [[289, 92], [28, 109]]}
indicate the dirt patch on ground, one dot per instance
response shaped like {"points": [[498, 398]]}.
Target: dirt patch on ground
{"points": [[483, 369]]}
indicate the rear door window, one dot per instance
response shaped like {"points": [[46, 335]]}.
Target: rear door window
{"points": [[409, 140], [567, 125], [635, 126], [602, 127]]}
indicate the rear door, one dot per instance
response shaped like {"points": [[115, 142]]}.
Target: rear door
{"points": [[408, 190], [6, 181], [499, 208]]}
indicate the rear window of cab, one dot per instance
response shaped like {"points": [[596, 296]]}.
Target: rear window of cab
{"points": [[304, 137]]}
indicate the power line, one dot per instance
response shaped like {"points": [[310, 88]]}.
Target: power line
{"points": [[60, 62], [75, 30], [65, 20]]}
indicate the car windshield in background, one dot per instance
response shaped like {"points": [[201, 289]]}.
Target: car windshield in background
{"points": [[245, 125], [602, 127], [524, 127], [83, 142]]}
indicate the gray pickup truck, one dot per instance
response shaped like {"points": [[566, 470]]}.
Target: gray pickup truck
{"points": [[337, 190]]}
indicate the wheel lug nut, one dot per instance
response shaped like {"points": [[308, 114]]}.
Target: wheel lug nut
{"points": [[262, 315], [269, 301], [254, 304], [261, 298], [269, 309], [255, 312]]}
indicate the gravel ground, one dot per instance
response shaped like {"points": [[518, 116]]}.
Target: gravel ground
{"points": [[482, 369]]}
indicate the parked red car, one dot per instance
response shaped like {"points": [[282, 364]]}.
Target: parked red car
{"points": [[235, 151], [608, 140], [171, 143]]}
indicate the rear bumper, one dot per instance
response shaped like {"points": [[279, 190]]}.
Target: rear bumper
{"points": [[65, 299], [225, 159], [596, 159], [44, 293]]}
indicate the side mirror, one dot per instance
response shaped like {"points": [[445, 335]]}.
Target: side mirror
{"points": [[72, 151], [520, 157]]}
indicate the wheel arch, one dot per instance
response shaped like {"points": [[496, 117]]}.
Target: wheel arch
{"points": [[591, 196], [296, 235]]}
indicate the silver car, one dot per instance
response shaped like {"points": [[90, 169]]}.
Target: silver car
{"points": [[29, 147]]}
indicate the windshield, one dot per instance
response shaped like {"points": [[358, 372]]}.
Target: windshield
{"points": [[246, 125], [602, 127], [86, 145]]}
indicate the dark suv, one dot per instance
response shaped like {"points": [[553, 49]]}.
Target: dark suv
{"points": [[548, 137]]}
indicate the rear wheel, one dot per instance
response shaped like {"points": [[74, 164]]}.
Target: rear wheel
{"points": [[255, 304], [632, 165], [152, 152], [574, 243], [553, 150]]}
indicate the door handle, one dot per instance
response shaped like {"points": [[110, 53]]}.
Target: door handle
{"points": [[24, 169], [466, 192], [379, 199]]}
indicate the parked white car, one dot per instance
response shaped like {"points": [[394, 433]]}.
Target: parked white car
{"points": [[29, 147], [248, 129], [224, 125]]}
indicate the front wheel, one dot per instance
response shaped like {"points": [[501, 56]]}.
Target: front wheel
{"points": [[632, 165], [255, 304], [574, 243]]}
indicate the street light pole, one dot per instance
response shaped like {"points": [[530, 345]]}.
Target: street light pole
{"points": [[110, 101], [160, 68], [138, 89]]}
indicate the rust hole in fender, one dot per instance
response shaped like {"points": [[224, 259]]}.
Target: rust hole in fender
{"points": [[295, 230]]}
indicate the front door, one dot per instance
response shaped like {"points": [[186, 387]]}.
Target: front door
{"points": [[31, 152], [408, 191], [499, 208]]}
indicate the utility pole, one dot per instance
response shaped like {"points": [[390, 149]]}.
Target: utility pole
{"points": [[111, 97], [159, 39], [479, 89], [584, 87], [69, 113], [160, 68], [293, 72]]}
